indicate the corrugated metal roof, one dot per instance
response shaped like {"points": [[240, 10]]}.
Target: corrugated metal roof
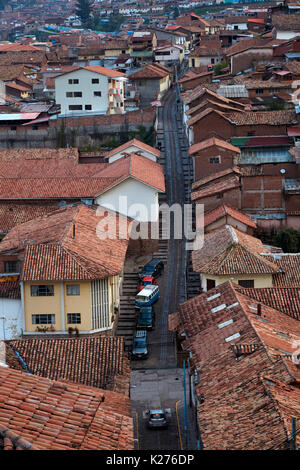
{"points": [[265, 156], [233, 91], [18, 116]]}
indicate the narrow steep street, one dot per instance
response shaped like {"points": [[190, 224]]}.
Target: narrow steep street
{"points": [[158, 382]]}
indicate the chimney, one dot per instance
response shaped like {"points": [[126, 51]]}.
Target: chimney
{"points": [[259, 310]]}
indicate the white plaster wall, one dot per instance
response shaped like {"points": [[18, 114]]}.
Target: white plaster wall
{"points": [[137, 193], [85, 85], [11, 310], [286, 34], [134, 149]]}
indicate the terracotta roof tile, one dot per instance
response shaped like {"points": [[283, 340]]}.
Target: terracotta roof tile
{"points": [[149, 72], [238, 357], [63, 415], [94, 361], [289, 264], [69, 236], [138, 144], [210, 143], [223, 210], [283, 299], [228, 251]]}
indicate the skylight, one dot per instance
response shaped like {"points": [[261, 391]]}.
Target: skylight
{"points": [[217, 309], [230, 338], [213, 297], [225, 323]]}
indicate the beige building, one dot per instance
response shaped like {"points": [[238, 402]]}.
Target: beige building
{"points": [[70, 270]]}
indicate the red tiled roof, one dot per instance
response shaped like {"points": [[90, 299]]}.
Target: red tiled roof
{"points": [[94, 361], [271, 118], [73, 237], [10, 290], [223, 210], [289, 263], [104, 71], [227, 251], [54, 415], [12, 441], [210, 143], [137, 143], [216, 187], [149, 72], [138, 167], [13, 213], [283, 299], [237, 409]]}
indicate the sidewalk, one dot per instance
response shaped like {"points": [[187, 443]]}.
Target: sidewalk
{"points": [[186, 426]]}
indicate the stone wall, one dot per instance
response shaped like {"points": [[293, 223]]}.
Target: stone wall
{"points": [[78, 131]]}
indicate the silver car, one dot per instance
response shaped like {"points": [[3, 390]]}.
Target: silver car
{"points": [[157, 419]]}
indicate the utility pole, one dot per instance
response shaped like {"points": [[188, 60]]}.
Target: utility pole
{"points": [[293, 434], [185, 409]]}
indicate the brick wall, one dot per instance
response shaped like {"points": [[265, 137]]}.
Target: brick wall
{"points": [[202, 163]]}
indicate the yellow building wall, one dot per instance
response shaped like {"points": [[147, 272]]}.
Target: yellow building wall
{"points": [[197, 62], [79, 304], [72, 304], [41, 305], [114, 297], [259, 280]]}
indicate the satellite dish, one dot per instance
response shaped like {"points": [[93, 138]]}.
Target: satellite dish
{"points": [[282, 171]]}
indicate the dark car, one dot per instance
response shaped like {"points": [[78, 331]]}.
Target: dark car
{"points": [[146, 318], [140, 346], [154, 268], [157, 419]]}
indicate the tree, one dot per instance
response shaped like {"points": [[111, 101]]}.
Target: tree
{"points": [[288, 240], [84, 9]]}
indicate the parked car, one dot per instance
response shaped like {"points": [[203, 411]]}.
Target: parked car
{"points": [[146, 318], [146, 281], [147, 296], [157, 419], [154, 268], [140, 346]]}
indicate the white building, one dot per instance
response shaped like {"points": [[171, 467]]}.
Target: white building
{"points": [[91, 89], [165, 54], [11, 312], [134, 146]]}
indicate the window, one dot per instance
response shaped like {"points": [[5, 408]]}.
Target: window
{"points": [[97, 93], [74, 317], [74, 94], [10, 267], [42, 290], [95, 80], [219, 196], [259, 91], [251, 134], [247, 283], [274, 90], [210, 284], [73, 289], [73, 81], [88, 107], [43, 319], [13, 128], [75, 107], [212, 60], [215, 160]]}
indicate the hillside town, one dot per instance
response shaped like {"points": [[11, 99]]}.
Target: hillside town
{"points": [[150, 225]]}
